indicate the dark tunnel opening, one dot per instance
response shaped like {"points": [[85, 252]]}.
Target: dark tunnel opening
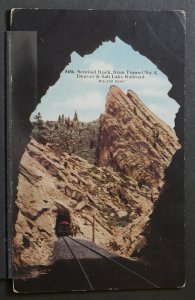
{"points": [[63, 223]]}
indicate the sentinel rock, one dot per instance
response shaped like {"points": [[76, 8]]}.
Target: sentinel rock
{"points": [[133, 140], [117, 185]]}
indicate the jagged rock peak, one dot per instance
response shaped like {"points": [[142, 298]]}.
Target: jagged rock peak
{"points": [[117, 100], [133, 139]]}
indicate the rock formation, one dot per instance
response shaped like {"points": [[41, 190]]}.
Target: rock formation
{"points": [[134, 147], [140, 145]]}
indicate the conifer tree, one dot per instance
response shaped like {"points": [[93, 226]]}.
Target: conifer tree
{"points": [[68, 122], [76, 118], [59, 119], [63, 118], [38, 119], [38, 123]]}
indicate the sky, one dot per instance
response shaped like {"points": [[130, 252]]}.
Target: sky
{"points": [[88, 96]]}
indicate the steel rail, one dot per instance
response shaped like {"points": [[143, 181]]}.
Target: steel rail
{"points": [[117, 263], [79, 263]]}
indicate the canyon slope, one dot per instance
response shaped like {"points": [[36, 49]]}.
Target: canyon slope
{"points": [[110, 170]]}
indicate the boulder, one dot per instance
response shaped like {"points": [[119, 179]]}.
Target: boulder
{"points": [[122, 214], [80, 206]]}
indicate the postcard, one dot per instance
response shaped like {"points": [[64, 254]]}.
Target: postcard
{"points": [[99, 200]]}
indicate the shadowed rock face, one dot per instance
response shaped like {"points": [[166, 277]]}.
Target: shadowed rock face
{"points": [[120, 192], [60, 33]]}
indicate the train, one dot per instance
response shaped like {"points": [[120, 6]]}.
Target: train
{"points": [[63, 224]]}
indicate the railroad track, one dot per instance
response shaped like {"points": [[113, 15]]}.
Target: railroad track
{"points": [[79, 263], [111, 260]]}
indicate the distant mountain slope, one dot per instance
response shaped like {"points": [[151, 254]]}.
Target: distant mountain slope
{"points": [[73, 136]]}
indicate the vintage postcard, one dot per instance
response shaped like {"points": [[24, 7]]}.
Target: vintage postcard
{"points": [[99, 195]]}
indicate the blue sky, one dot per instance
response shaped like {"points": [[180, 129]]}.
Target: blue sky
{"points": [[88, 96]]}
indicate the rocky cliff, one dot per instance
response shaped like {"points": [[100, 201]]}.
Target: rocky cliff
{"points": [[134, 146], [133, 140]]}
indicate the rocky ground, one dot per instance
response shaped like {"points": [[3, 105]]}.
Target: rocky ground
{"points": [[119, 192]]}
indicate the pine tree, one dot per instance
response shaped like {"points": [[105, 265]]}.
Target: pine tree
{"points": [[38, 119], [59, 119], [63, 119], [76, 118], [38, 123], [68, 123]]}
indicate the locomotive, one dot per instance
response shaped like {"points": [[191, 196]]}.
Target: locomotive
{"points": [[63, 224]]}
